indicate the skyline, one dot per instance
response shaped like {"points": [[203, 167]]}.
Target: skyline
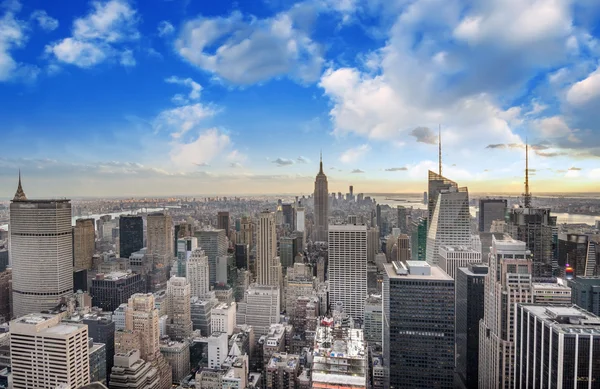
{"points": [[121, 98]]}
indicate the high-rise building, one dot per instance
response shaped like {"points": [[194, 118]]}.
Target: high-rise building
{"points": [[579, 251], [185, 246], [585, 292], [469, 308], [450, 222], [418, 325], [84, 241], [402, 219], [242, 256], [418, 240], [101, 328], [300, 215], [268, 268], [182, 230], [46, 352], [436, 184], [321, 206], [507, 283], [223, 221], [160, 238], [197, 273], [551, 293], [348, 268], [131, 235], [41, 239], [490, 210], [372, 324], [5, 295], [177, 355], [246, 235], [201, 312], [130, 371], [286, 252], [556, 347], [372, 243], [288, 214], [403, 248], [223, 318], [179, 325], [450, 258], [261, 308], [214, 244], [108, 291]]}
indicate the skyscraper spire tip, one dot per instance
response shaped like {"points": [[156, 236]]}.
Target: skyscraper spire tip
{"points": [[20, 194]]}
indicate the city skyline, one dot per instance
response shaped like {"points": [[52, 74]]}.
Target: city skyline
{"points": [[117, 97]]}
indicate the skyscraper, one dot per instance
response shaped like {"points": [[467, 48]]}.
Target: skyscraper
{"points": [[580, 252], [268, 268], [348, 268], [418, 325], [131, 235], [507, 283], [585, 292], [41, 239], [418, 240], [197, 273], [84, 240], [223, 222], [185, 246], [402, 219], [160, 238], [179, 324], [321, 200], [436, 184], [214, 244], [450, 222], [490, 210]]}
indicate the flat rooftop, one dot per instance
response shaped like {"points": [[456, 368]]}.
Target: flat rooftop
{"points": [[437, 274], [566, 319]]}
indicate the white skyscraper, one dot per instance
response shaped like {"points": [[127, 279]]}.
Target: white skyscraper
{"points": [[507, 283], [46, 352], [450, 223], [197, 273], [300, 219], [261, 308], [268, 268], [453, 257], [41, 238], [348, 268]]}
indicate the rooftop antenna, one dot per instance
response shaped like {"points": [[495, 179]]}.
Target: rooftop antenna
{"points": [[321, 161], [440, 149], [527, 195]]}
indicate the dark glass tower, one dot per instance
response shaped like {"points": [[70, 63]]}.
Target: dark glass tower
{"points": [[490, 210], [131, 235]]}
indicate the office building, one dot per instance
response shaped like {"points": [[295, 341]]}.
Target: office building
{"points": [[286, 252], [288, 214], [130, 371], [46, 352], [214, 244], [223, 318], [198, 273], [40, 233], [242, 256], [490, 210], [450, 223], [184, 248], [223, 222], [201, 312], [84, 243], [402, 219], [131, 235], [182, 230], [372, 243], [348, 268], [101, 328], [418, 325], [556, 347], [507, 283], [551, 293], [418, 240], [246, 234], [179, 325], [97, 355], [108, 291], [321, 206], [261, 308], [403, 244], [268, 268], [160, 239], [469, 308], [585, 292], [372, 324], [5, 295], [579, 251], [300, 219], [437, 184], [177, 355], [450, 258]]}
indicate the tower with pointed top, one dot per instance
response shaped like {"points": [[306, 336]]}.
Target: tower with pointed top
{"points": [[321, 200], [41, 252]]}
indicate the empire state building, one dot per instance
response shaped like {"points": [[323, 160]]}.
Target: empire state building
{"points": [[321, 198]]}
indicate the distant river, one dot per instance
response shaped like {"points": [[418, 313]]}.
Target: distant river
{"points": [[116, 214]]}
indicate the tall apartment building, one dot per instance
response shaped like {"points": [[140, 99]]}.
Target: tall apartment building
{"points": [[507, 283], [40, 233], [348, 268], [469, 309], [108, 291], [261, 308], [585, 292], [223, 221], [131, 235], [450, 258], [321, 206], [214, 244], [198, 273], [490, 210], [450, 223], [418, 325], [556, 347], [268, 268], [179, 325], [46, 352], [84, 243], [159, 231]]}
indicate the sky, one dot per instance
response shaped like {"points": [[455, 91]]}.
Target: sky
{"points": [[181, 97]]}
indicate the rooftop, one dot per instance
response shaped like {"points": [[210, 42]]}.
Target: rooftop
{"points": [[351, 346], [437, 274], [565, 319]]}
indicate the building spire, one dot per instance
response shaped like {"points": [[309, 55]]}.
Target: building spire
{"points": [[321, 163], [440, 150], [20, 195], [527, 195]]}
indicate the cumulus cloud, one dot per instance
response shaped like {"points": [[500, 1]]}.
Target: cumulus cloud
{"points": [[13, 35], [586, 90], [280, 162], [355, 153], [45, 21], [99, 36], [357, 171], [302, 159], [396, 169], [424, 135], [195, 88], [180, 120], [165, 28], [203, 149], [250, 50]]}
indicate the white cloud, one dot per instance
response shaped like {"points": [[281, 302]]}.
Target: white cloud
{"points": [[193, 85], [585, 90], [97, 37], [552, 127], [236, 156], [13, 36], [178, 121], [354, 154], [165, 28], [302, 159], [357, 171], [208, 145], [250, 50], [45, 21], [280, 162]]}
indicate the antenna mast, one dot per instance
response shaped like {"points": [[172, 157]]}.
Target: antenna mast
{"points": [[527, 195], [440, 150]]}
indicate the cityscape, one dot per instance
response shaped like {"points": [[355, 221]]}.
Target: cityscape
{"points": [[300, 194]]}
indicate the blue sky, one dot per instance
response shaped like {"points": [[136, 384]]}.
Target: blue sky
{"points": [[119, 97]]}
